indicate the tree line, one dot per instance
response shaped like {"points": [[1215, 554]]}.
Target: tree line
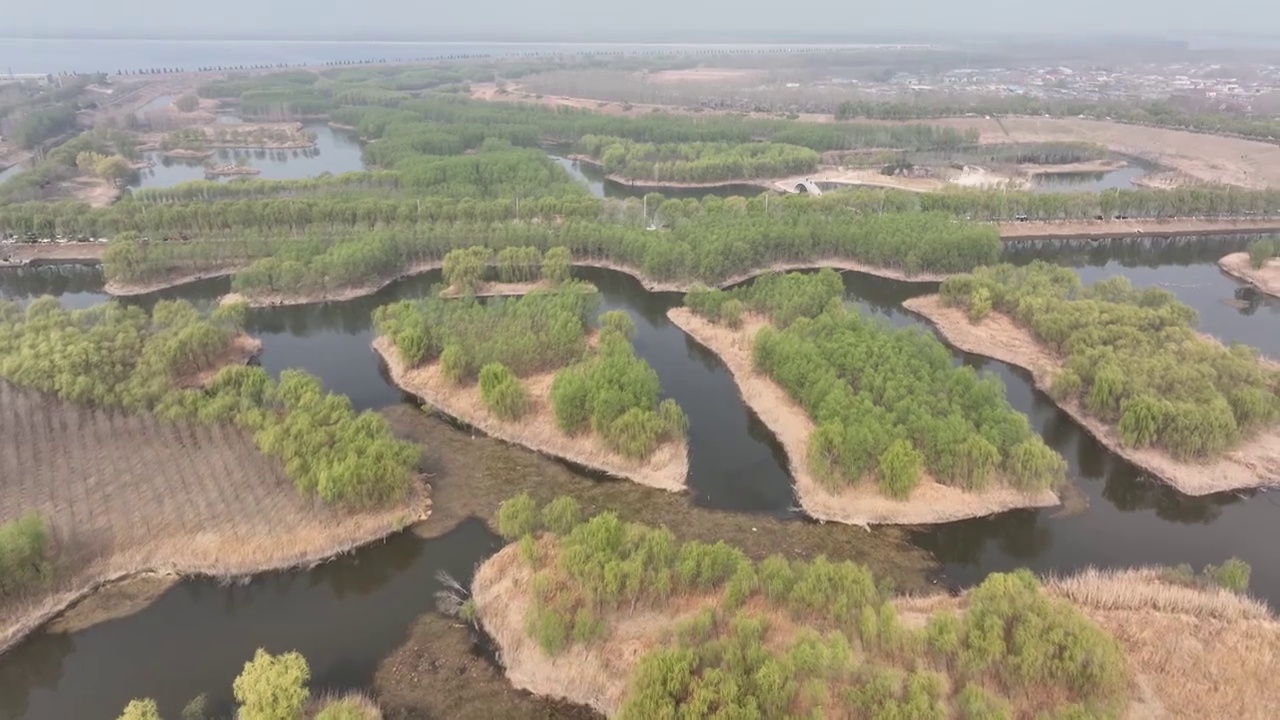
{"points": [[700, 162], [710, 246], [1011, 652], [1262, 251], [115, 355], [886, 403], [465, 268], [1132, 358]]}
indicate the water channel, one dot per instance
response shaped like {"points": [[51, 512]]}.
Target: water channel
{"points": [[346, 615]]}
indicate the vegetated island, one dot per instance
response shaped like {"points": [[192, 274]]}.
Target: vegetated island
{"points": [[156, 476], [1127, 365], [877, 425], [1260, 266], [624, 618], [525, 370]]}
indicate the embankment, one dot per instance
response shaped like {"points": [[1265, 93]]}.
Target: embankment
{"points": [[931, 502], [1251, 465]]}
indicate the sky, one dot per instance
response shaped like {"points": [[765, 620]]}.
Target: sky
{"points": [[649, 20]]}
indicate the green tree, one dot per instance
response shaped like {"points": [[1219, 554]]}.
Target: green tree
{"points": [[272, 687], [899, 469], [143, 709]]}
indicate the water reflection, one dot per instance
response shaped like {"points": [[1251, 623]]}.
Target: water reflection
{"points": [[600, 186], [335, 152]]}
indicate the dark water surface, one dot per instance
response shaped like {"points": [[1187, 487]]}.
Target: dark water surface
{"points": [[335, 152], [346, 615], [600, 186]]}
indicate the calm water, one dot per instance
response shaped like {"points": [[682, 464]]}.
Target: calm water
{"points": [[1121, 179], [345, 615], [335, 152]]}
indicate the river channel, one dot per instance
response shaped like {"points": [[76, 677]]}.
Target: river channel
{"points": [[346, 615]]}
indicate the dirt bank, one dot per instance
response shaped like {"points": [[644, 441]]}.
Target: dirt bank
{"points": [[129, 495], [117, 288], [930, 503], [1254, 464], [1195, 653], [496, 289], [33, 253], [1084, 166], [261, 300], [1265, 278], [1069, 229], [666, 469]]}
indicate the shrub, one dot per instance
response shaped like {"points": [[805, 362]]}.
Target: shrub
{"points": [[455, 366], [674, 422], [548, 628], [731, 313], [899, 469], [636, 434], [556, 265], [1260, 251], [561, 515], [272, 687], [618, 321], [979, 304], [351, 707], [1232, 575], [571, 400], [142, 709], [503, 393], [518, 517], [974, 703], [23, 547], [198, 708], [1066, 385]]}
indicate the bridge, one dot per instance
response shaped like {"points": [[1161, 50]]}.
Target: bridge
{"points": [[807, 186]]}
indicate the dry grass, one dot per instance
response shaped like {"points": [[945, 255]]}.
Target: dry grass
{"points": [[243, 348], [1065, 229], [666, 469], [260, 300], [1146, 589], [931, 502], [118, 288], [1253, 464], [126, 495], [595, 675], [1265, 278]]}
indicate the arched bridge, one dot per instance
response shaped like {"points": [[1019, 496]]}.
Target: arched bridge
{"points": [[807, 186]]}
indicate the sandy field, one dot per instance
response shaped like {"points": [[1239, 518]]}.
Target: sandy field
{"points": [[1265, 278], [127, 495], [1194, 653], [1251, 465], [931, 502], [666, 469]]}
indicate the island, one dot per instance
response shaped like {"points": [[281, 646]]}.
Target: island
{"points": [[530, 371], [1128, 366], [866, 439], [1260, 266]]}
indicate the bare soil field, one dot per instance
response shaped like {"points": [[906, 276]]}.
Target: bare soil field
{"points": [[96, 192], [126, 495], [931, 502], [1265, 278], [23, 253], [1207, 158], [1195, 653], [666, 469], [706, 75], [1254, 464]]}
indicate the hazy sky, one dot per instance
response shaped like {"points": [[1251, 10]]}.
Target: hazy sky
{"points": [[652, 19]]}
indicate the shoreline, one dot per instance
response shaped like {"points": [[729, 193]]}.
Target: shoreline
{"points": [[1253, 464], [1265, 279], [1135, 228], [862, 504], [658, 185], [501, 289], [667, 469], [386, 522], [1228, 641], [339, 295]]}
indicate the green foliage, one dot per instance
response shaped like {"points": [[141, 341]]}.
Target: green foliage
{"points": [[698, 162], [979, 304], [503, 393], [464, 268], [24, 551], [142, 709], [899, 469], [272, 687], [1232, 575], [618, 321], [349, 709], [197, 708], [518, 517], [561, 515], [888, 401], [1260, 251], [1134, 358], [556, 265], [974, 703], [534, 333]]}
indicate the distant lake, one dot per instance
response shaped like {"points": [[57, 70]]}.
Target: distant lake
{"points": [[335, 152]]}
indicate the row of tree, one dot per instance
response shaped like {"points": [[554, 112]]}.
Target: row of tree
{"points": [[700, 162], [466, 268], [118, 355], [24, 555], [711, 247], [887, 403], [1013, 652], [1132, 357]]}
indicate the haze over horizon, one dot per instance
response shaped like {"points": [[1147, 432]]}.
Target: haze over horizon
{"points": [[654, 21]]}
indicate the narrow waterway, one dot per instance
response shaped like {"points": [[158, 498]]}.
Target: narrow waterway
{"points": [[346, 615]]}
